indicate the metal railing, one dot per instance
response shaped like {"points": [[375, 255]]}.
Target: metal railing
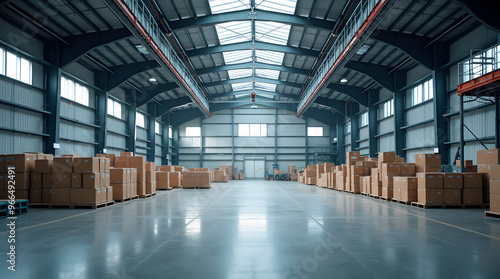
{"points": [[143, 15], [479, 63], [358, 17]]}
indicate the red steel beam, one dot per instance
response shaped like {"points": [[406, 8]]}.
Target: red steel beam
{"points": [[348, 48], [490, 81]]}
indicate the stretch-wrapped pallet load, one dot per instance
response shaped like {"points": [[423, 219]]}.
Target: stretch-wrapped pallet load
{"points": [[221, 176], [163, 180], [196, 179], [485, 160]]}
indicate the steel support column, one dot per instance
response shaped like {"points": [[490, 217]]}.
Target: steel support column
{"points": [[354, 125], [497, 119], [373, 97], [462, 141], [232, 137], [52, 99], [276, 136], [307, 144], [441, 55], [175, 142], [101, 111], [152, 131], [399, 114], [131, 120], [332, 133], [165, 157], [341, 142], [202, 141]]}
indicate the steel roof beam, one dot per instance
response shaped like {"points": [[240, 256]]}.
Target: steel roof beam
{"points": [[164, 106], [248, 45], [412, 45], [123, 72], [258, 65], [258, 92], [484, 11], [377, 72], [257, 79], [150, 92], [352, 91], [335, 104], [261, 15]]}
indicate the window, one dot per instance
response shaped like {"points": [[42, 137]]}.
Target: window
{"points": [[266, 73], [239, 73], [114, 108], [15, 67], [140, 120], [169, 132], [193, 131], [157, 128], [224, 6], [422, 92], [314, 131], [237, 56], [348, 126], [252, 130], [364, 119], [389, 108], [74, 91]]}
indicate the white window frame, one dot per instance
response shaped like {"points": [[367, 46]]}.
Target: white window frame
{"points": [[422, 92], [315, 131], [252, 130], [170, 132], [388, 108], [17, 71], [157, 128], [114, 108], [364, 119], [348, 126], [75, 91], [140, 119]]}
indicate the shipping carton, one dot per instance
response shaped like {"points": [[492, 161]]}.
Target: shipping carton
{"points": [[427, 162], [23, 163], [104, 164], [86, 196], [91, 180], [44, 166], [110, 156], [119, 192], [76, 180], [430, 180], [391, 169], [126, 154], [36, 180], [408, 169], [47, 195], [63, 165], [473, 180], [48, 180], [495, 187], [453, 180], [175, 179], [430, 196], [472, 196], [121, 162], [452, 196], [165, 168], [495, 203], [294, 176], [105, 179], [61, 196], [61, 180], [488, 157], [35, 195], [150, 176], [386, 157], [86, 165], [118, 175]]}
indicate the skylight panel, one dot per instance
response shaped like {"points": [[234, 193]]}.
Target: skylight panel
{"points": [[234, 32], [241, 86], [269, 57], [224, 6], [265, 96], [238, 56], [272, 32], [266, 73], [239, 73], [241, 95], [265, 86], [280, 6]]}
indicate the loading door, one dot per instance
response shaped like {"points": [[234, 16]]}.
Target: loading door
{"points": [[254, 168]]}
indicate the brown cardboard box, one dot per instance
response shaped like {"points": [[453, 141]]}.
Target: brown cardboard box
{"points": [[109, 193], [86, 165], [110, 156], [44, 166], [387, 192], [76, 180], [453, 180], [121, 162], [150, 166], [151, 187], [495, 203], [386, 157], [70, 155], [150, 176], [23, 163], [488, 157], [48, 180], [473, 180], [165, 168], [452, 196], [408, 189], [104, 164], [311, 181], [430, 196], [141, 188], [467, 163], [494, 172], [63, 165], [91, 180], [181, 169], [36, 181], [47, 195], [133, 175], [119, 192], [175, 179], [472, 196], [408, 169], [35, 195], [126, 154], [391, 169], [86, 196], [242, 176], [495, 187], [118, 175], [430, 180], [105, 179], [162, 176], [236, 176], [61, 196], [427, 162], [61, 180]]}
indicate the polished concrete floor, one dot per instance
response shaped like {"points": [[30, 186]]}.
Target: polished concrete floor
{"points": [[254, 229]]}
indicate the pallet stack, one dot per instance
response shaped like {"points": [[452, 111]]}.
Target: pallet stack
{"points": [[196, 178], [123, 183], [488, 164], [24, 166]]}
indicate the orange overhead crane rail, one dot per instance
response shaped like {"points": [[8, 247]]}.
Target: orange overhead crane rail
{"points": [[486, 85]]}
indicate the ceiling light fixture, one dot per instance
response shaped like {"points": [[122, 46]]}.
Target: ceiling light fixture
{"points": [[152, 79], [254, 106], [142, 49], [344, 80], [363, 49]]}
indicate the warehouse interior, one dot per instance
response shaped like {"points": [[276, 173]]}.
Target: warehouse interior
{"points": [[268, 108]]}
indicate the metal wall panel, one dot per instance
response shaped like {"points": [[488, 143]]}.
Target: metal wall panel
{"points": [[141, 133], [291, 141], [481, 122], [189, 142], [363, 133], [82, 149], [116, 140], [420, 136], [218, 141], [18, 143], [218, 119], [25, 120], [473, 40], [386, 125], [386, 144], [419, 113], [291, 130], [116, 125], [410, 154], [254, 119], [217, 130]]}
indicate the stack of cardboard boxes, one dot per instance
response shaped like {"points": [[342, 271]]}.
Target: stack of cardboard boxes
{"points": [[23, 166], [405, 189], [221, 176], [127, 160], [239, 176], [310, 175], [292, 173], [123, 183], [196, 178], [171, 180], [228, 170], [41, 180], [485, 160], [150, 178]]}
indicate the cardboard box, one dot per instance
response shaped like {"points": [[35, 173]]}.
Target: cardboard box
{"points": [[150, 166], [105, 179], [467, 163], [86, 165], [36, 181], [104, 164], [430, 196], [61, 196], [175, 179], [452, 196], [237, 176], [86, 196], [44, 166], [495, 203], [165, 168], [119, 192], [311, 181], [63, 165], [48, 180], [430, 180], [23, 163], [488, 157], [494, 172], [151, 187], [35, 195], [91, 180], [150, 176], [387, 192], [126, 154], [47, 195], [473, 180], [495, 187], [141, 188], [242, 176], [61, 180], [472, 196], [391, 169], [453, 180], [76, 180], [427, 162], [121, 162], [111, 158], [71, 155], [408, 169], [386, 157], [109, 193], [118, 175]]}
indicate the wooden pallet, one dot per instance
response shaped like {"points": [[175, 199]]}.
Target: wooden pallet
{"points": [[426, 206], [169, 188], [144, 196], [92, 206], [492, 214], [375, 197], [39, 205], [385, 199], [475, 205], [124, 200], [196, 187], [401, 202], [365, 194]]}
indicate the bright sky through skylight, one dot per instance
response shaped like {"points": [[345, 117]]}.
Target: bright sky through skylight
{"points": [[269, 57], [272, 32], [241, 86], [265, 86], [237, 56], [234, 32], [239, 73], [266, 73], [282, 6], [224, 6]]}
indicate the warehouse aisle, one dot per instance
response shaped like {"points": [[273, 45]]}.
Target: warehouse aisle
{"points": [[255, 229]]}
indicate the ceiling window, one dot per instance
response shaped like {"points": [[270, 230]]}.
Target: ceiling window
{"points": [[169, 132], [314, 131], [364, 119], [281, 6], [265, 86], [15, 67], [239, 73], [348, 126], [224, 6], [241, 86], [114, 108], [252, 130], [74, 91], [388, 108], [422, 92], [193, 131], [237, 56], [272, 32], [157, 128], [266, 73], [234, 32], [269, 57], [140, 120]]}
